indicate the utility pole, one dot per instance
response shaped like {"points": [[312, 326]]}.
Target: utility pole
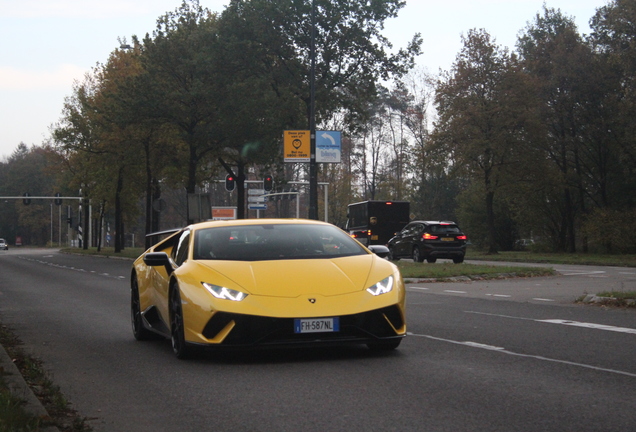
{"points": [[313, 168]]}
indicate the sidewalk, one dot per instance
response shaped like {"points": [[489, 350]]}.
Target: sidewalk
{"points": [[20, 389]]}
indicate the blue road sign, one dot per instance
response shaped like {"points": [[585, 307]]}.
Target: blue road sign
{"points": [[328, 146]]}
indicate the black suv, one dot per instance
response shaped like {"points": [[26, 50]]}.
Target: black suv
{"points": [[429, 240]]}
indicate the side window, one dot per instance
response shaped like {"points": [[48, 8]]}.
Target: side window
{"points": [[418, 229], [181, 251]]}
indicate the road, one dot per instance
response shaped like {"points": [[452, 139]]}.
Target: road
{"points": [[474, 361]]}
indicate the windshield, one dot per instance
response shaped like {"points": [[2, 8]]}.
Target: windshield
{"points": [[445, 229], [274, 241]]}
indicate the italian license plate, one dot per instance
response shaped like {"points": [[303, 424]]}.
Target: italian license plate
{"points": [[316, 325], [448, 238]]}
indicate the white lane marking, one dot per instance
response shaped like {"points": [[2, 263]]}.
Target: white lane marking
{"points": [[499, 295], [590, 325], [455, 292], [419, 288], [567, 272], [564, 322], [60, 266], [543, 299], [536, 357], [484, 346]]}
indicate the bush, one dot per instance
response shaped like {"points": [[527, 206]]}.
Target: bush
{"points": [[611, 231]]}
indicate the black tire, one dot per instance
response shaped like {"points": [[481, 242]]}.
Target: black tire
{"points": [[384, 345], [180, 347], [417, 255], [140, 332], [431, 260], [391, 256], [458, 260]]}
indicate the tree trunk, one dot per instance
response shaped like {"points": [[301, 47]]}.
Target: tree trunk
{"points": [[119, 225], [490, 215]]}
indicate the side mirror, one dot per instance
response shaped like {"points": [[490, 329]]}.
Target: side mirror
{"points": [[379, 250], [158, 259]]}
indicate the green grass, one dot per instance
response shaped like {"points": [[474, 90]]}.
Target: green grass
{"points": [[13, 417], [554, 258], [411, 270], [622, 295], [619, 298], [130, 253]]}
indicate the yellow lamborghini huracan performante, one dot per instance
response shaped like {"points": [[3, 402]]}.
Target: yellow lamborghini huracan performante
{"points": [[266, 282]]}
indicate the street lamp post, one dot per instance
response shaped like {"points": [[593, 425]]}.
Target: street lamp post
{"points": [[313, 168]]}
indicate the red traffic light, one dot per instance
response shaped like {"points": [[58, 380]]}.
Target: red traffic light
{"points": [[268, 183], [230, 183]]}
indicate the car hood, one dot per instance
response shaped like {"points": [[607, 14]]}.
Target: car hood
{"points": [[293, 278]]}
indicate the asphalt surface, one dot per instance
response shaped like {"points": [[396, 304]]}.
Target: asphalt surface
{"points": [[491, 355]]}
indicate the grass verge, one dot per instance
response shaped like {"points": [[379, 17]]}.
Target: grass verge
{"points": [[612, 298], [128, 253], [446, 271], [554, 258], [13, 417]]}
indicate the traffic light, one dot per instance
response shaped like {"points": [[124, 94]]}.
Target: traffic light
{"points": [[58, 200], [26, 200], [230, 183], [268, 183]]}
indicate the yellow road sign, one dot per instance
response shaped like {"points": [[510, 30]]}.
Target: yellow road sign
{"points": [[297, 145]]}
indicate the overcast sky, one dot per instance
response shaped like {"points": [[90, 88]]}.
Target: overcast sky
{"points": [[47, 44]]}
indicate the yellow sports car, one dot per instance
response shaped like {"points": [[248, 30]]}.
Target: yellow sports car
{"points": [[266, 282]]}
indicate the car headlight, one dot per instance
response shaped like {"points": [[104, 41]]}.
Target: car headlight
{"points": [[382, 287], [224, 293]]}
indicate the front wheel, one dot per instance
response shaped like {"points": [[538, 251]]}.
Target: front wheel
{"points": [[417, 255], [140, 332], [392, 256], [431, 260], [177, 336], [458, 260]]}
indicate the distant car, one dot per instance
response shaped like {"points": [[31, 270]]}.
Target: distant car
{"points": [[429, 240], [3, 245], [266, 282], [523, 244]]}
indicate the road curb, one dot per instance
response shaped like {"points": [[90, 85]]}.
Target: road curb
{"points": [[20, 389]]}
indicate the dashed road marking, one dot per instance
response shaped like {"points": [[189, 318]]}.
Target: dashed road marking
{"points": [[71, 268], [590, 325], [512, 353], [564, 322]]}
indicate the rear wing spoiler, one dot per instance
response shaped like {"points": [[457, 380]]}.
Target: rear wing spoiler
{"points": [[159, 233]]}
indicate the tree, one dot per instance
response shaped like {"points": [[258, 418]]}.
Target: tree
{"points": [[613, 33], [179, 87], [352, 55], [575, 116], [482, 106], [27, 170]]}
